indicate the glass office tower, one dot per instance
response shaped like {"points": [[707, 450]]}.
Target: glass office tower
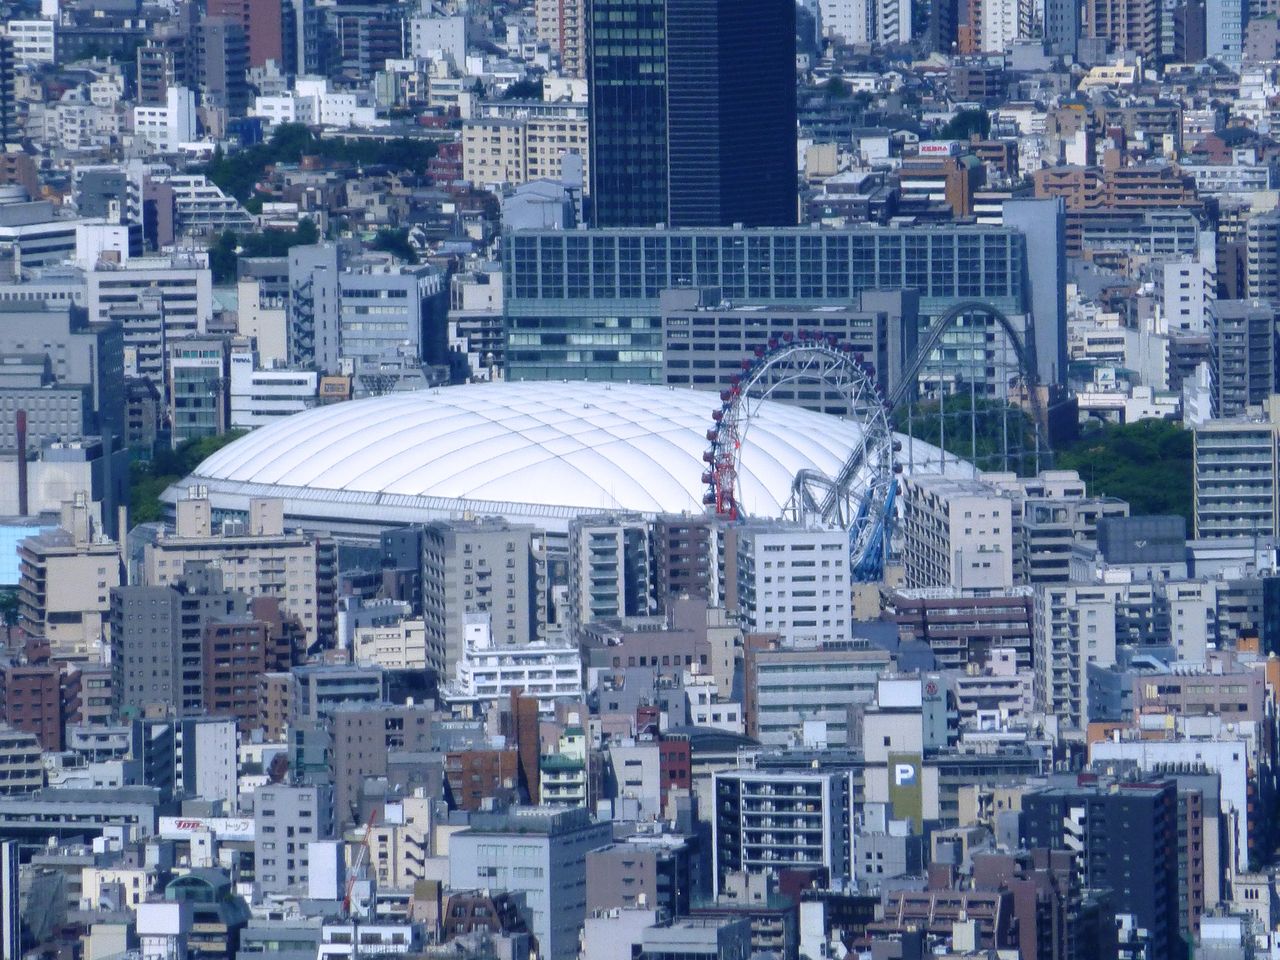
{"points": [[693, 119]]}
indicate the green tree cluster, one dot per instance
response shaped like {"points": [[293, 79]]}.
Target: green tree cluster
{"points": [[147, 480], [396, 242], [1147, 463], [270, 243], [965, 123], [237, 174]]}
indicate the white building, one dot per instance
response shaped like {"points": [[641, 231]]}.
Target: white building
{"points": [[1003, 22], [437, 38], [260, 397], [33, 41], [852, 20], [489, 672], [1188, 288], [110, 241], [1075, 625], [893, 21], [166, 128], [957, 533], [206, 758], [794, 581]]}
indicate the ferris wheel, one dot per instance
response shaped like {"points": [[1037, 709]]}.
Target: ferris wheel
{"points": [[829, 374]]}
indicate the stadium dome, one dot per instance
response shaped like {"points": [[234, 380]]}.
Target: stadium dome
{"points": [[537, 452]]}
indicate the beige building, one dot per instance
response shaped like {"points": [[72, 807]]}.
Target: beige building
{"points": [[262, 317], [397, 646], [515, 142], [258, 558], [133, 881], [957, 533], [65, 581], [400, 843]]}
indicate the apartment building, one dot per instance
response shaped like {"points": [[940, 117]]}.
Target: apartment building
{"points": [[962, 630], [789, 685], [65, 579], [483, 566], [287, 819], [21, 769], [610, 573], [1235, 470], [767, 821], [258, 558], [957, 533], [515, 141], [792, 581]]}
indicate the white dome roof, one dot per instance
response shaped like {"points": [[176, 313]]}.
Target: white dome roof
{"points": [[538, 451]]}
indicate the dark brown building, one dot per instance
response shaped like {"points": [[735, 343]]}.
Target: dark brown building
{"points": [[962, 630], [263, 27], [520, 725], [239, 652], [35, 699], [235, 655], [476, 775], [685, 551]]}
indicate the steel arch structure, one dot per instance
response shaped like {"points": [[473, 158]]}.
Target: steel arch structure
{"points": [[1023, 349], [860, 498]]}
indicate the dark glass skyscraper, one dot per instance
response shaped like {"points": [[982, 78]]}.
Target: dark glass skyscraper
{"points": [[693, 117]]}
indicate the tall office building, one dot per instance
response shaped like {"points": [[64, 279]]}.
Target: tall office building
{"points": [[9, 131], [680, 133]]}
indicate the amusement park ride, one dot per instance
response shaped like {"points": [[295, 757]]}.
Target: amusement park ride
{"points": [[860, 497], [970, 349]]}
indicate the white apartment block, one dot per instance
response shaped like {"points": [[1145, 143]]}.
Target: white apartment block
{"points": [[439, 37], [1188, 288], [396, 646], [491, 673], [166, 128], [1003, 22], [33, 41], [851, 20], [957, 533], [184, 286], [1075, 625], [793, 581]]}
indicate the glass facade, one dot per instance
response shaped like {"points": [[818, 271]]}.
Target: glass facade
{"points": [[627, 41], [584, 304]]}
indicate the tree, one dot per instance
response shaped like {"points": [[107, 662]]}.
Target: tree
{"points": [[966, 123], [9, 607], [523, 90], [1147, 463], [836, 88], [147, 481], [395, 242]]}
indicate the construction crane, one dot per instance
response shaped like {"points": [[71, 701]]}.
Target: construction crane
{"points": [[361, 856]]}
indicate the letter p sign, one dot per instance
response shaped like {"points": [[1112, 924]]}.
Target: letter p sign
{"points": [[904, 774]]}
